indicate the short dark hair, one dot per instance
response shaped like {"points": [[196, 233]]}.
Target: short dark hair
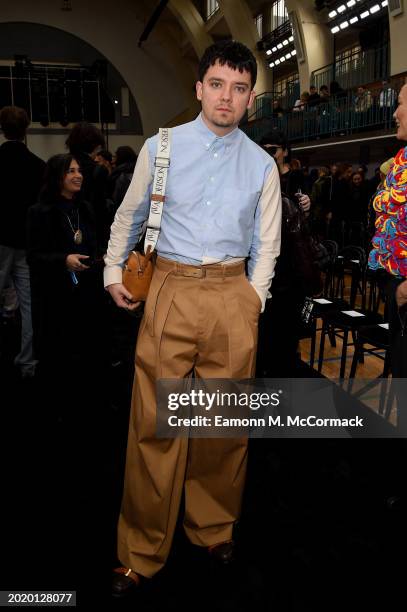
{"points": [[55, 170], [125, 154], [84, 138], [232, 53], [14, 122], [275, 137], [106, 155]]}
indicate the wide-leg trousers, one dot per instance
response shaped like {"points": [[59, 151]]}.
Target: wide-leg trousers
{"points": [[201, 320]]}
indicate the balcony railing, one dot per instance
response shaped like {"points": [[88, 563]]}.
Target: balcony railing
{"points": [[263, 106], [338, 117], [357, 68]]}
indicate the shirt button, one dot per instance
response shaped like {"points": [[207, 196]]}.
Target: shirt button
{"points": [[207, 145], [212, 179], [208, 203], [215, 155]]}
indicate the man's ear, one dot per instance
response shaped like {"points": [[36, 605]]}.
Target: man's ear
{"points": [[252, 98], [198, 88]]}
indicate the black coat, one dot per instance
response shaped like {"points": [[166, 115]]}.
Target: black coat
{"points": [[95, 191], [66, 317], [21, 175]]}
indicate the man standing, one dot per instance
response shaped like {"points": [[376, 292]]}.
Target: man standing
{"points": [[222, 205], [21, 174]]}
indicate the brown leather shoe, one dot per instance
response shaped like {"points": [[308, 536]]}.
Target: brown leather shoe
{"points": [[223, 553], [124, 581]]}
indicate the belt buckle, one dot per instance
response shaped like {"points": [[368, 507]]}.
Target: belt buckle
{"points": [[199, 273], [195, 272]]}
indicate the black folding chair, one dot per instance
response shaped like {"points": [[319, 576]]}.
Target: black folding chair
{"points": [[344, 321]]}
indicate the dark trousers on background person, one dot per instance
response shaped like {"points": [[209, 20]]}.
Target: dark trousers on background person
{"points": [[13, 264], [201, 320], [279, 336]]}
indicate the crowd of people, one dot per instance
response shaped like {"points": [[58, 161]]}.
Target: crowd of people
{"points": [[360, 99], [52, 252], [55, 226]]}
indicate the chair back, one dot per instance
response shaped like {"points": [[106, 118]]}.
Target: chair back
{"points": [[351, 261]]}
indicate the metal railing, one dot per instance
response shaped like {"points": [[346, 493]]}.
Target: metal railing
{"points": [[340, 116], [263, 105], [357, 68], [56, 94]]}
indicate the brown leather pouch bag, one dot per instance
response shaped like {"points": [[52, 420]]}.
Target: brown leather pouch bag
{"points": [[137, 274]]}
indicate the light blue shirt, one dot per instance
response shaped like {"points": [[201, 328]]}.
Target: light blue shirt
{"points": [[222, 201]]}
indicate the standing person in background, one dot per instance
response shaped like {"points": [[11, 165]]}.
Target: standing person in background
{"points": [[278, 343], [321, 196], [104, 158], [388, 256], [338, 211], [314, 97], [358, 210], [390, 248], [68, 300], [84, 142], [21, 175], [324, 94], [124, 163]]}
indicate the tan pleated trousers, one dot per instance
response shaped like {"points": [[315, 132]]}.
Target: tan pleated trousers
{"points": [[202, 320]]}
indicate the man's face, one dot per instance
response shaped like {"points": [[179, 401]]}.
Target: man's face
{"points": [[225, 95], [360, 91], [400, 115]]}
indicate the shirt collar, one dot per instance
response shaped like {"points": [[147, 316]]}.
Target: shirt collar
{"points": [[208, 137]]}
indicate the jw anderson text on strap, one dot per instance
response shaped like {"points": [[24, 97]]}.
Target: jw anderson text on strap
{"points": [[138, 269]]}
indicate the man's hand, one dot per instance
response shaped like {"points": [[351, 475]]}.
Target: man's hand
{"points": [[401, 294], [305, 202], [122, 297], [74, 264]]}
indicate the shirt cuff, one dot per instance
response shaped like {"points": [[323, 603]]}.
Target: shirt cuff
{"points": [[112, 274]]}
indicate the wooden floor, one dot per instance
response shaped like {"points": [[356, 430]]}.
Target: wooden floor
{"points": [[370, 369]]}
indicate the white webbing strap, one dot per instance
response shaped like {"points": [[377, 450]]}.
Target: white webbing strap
{"points": [[162, 163]]}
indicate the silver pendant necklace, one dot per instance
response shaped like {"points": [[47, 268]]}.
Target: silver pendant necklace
{"points": [[77, 234]]}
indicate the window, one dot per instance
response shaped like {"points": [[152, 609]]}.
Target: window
{"points": [[211, 7], [349, 59], [259, 24], [287, 90], [279, 14]]}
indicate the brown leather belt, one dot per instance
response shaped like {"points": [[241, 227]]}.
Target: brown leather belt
{"points": [[181, 269]]}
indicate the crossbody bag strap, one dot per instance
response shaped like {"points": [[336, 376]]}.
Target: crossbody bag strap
{"points": [[161, 164]]}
